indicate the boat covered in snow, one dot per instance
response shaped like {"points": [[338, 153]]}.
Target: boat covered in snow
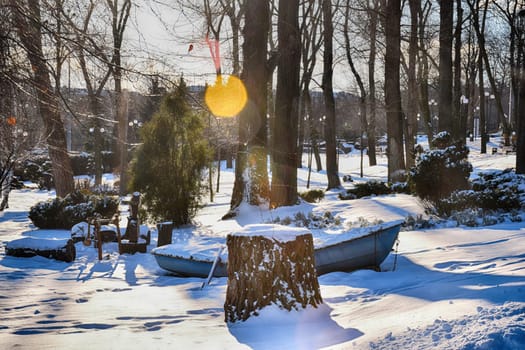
{"points": [[360, 248]]}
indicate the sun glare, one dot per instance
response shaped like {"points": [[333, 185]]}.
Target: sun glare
{"points": [[227, 97]]}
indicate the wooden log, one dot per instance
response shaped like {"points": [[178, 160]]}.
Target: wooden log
{"points": [[59, 249], [265, 268], [165, 230]]}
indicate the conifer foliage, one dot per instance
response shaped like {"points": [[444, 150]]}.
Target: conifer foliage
{"points": [[168, 166], [441, 170]]}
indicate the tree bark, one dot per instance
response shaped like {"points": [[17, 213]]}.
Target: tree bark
{"points": [[252, 153], [119, 19], [394, 115], [284, 159], [412, 101], [28, 22], [263, 270], [446, 14], [372, 15], [423, 74], [328, 92]]}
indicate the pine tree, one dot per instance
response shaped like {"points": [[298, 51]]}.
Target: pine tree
{"points": [[168, 166]]}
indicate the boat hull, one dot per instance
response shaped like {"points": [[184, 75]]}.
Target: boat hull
{"points": [[363, 252], [360, 253], [190, 267]]}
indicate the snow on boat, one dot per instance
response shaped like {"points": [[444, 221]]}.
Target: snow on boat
{"points": [[362, 248]]}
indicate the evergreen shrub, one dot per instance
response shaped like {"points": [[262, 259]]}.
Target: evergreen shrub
{"points": [[63, 213], [366, 189], [439, 172], [169, 165], [312, 196]]}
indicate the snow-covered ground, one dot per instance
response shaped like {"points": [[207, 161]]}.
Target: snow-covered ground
{"points": [[452, 287]]}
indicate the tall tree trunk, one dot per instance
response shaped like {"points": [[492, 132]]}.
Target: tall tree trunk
{"points": [[252, 154], [28, 21], [119, 21], [373, 15], [412, 85], [284, 165], [423, 73], [446, 8], [394, 114], [328, 92], [363, 94], [480, 32], [479, 27], [459, 129]]}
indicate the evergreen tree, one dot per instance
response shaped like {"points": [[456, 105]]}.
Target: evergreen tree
{"points": [[168, 166]]}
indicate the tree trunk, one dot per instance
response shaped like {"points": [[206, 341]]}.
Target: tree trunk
{"points": [[363, 94], [284, 132], [412, 101], [28, 21], [373, 15], [459, 130], [423, 74], [265, 270], [446, 13], [119, 20], [394, 115], [252, 119], [328, 92]]}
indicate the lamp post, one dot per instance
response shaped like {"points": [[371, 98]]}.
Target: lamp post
{"points": [[463, 113], [432, 103]]}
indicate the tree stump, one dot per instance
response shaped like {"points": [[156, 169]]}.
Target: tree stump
{"points": [[165, 230], [59, 249], [270, 264]]}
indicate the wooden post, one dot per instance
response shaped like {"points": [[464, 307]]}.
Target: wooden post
{"points": [[265, 269], [164, 230], [133, 227]]}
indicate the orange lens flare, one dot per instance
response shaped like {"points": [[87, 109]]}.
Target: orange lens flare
{"points": [[227, 97]]}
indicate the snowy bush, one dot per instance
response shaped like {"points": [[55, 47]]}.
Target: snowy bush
{"points": [[439, 172], [365, 189], [312, 196], [492, 194], [63, 213], [82, 163], [311, 221], [36, 169]]}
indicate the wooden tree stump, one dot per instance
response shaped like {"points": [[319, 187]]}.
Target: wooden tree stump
{"points": [[59, 249], [270, 264]]}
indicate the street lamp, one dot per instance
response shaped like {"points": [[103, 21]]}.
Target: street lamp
{"points": [[463, 112], [431, 104]]}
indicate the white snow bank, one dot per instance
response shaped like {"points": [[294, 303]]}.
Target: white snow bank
{"points": [[280, 233], [37, 243]]}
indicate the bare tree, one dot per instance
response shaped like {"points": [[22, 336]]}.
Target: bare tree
{"points": [[446, 13], [252, 153], [119, 19], [28, 20], [412, 101], [284, 160], [394, 114], [328, 93]]}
